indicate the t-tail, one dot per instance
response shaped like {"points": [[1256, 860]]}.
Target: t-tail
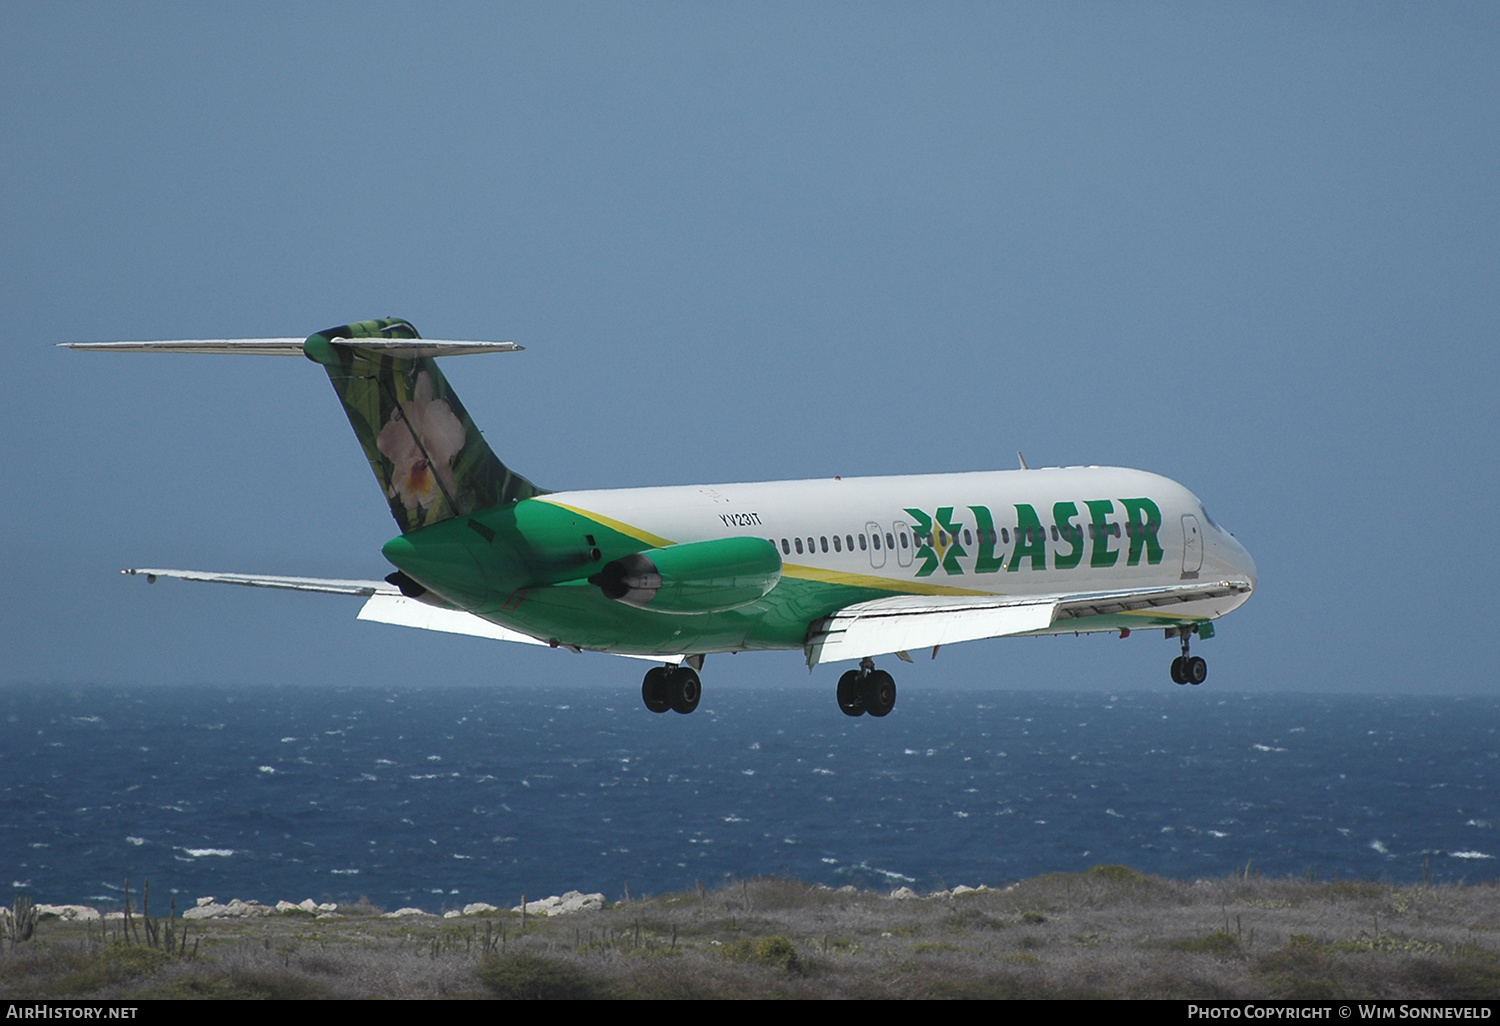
{"points": [[428, 456], [431, 461]]}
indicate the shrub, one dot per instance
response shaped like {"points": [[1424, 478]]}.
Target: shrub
{"points": [[531, 978], [1118, 874], [1299, 970], [1467, 978], [241, 985], [116, 964], [773, 951], [1219, 944]]}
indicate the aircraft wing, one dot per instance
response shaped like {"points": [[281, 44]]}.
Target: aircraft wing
{"points": [[395, 608], [384, 604], [327, 586], [904, 622]]}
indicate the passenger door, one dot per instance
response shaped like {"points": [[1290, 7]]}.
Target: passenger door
{"points": [[1192, 546]]}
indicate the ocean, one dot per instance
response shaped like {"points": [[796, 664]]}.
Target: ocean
{"points": [[437, 796]]}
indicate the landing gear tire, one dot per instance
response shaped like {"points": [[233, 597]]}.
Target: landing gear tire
{"points": [[851, 696], [685, 688], [879, 691], [1188, 669], [656, 692]]}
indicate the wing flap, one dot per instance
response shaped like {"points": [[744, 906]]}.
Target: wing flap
{"points": [[910, 621], [1105, 603], [906, 622]]}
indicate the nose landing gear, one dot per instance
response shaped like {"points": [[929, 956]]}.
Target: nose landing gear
{"points": [[1188, 669], [671, 687], [867, 690]]}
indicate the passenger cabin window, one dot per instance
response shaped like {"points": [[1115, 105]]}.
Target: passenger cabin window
{"points": [[862, 543], [836, 547], [823, 542], [786, 547], [799, 545], [875, 541], [903, 539], [968, 538], [849, 542], [890, 542]]}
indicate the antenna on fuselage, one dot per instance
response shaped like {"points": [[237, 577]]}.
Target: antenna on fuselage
{"points": [[1022, 459]]}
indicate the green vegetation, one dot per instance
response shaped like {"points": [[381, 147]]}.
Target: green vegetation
{"points": [[1118, 874], [1107, 932], [1220, 944], [532, 978], [772, 951]]}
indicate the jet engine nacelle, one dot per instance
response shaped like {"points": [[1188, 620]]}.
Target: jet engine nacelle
{"points": [[695, 577]]}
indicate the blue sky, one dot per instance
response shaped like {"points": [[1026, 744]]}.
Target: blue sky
{"points": [[1251, 247]]}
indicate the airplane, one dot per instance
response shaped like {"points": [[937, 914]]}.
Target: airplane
{"points": [[842, 569]]}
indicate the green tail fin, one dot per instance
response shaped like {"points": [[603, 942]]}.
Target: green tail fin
{"points": [[427, 454]]}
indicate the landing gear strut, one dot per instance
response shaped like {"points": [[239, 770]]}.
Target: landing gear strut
{"points": [[867, 690], [1188, 669], [671, 687]]}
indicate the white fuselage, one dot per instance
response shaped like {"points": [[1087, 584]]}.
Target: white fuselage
{"points": [[871, 531]]}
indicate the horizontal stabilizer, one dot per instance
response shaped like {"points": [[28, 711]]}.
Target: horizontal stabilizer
{"points": [[403, 348]]}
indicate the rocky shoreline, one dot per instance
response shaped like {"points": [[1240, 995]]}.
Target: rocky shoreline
{"points": [[556, 905]]}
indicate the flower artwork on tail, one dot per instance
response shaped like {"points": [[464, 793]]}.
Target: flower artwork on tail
{"points": [[421, 439]]}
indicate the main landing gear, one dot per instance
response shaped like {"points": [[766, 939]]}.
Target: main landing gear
{"points": [[1188, 669], [671, 687], [867, 690]]}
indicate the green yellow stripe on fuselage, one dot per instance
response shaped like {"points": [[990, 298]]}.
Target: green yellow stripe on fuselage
{"points": [[656, 541], [794, 571], [813, 573]]}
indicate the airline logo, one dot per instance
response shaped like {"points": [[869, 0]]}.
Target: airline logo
{"points": [[1101, 532]]}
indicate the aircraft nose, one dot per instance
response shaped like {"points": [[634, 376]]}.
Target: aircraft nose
{"points": [[1237, 557]]}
